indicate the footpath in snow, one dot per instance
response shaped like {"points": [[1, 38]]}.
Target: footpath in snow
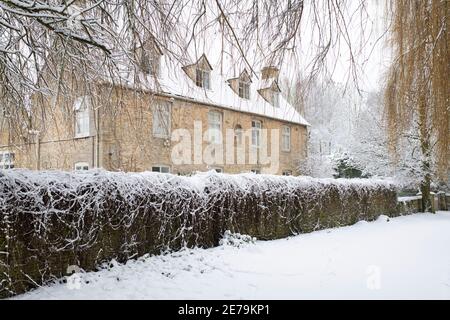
{"points": [[401, 258]]}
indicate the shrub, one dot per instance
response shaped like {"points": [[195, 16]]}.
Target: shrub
{"points": [[52, 220]]}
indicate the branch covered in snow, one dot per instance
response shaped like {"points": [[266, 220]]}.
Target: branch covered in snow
{"points": [[44, 45]]}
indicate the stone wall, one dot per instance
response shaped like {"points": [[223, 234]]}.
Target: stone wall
{"points": [[121, 136], [127, 142]]}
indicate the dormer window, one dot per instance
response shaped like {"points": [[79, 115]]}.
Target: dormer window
{"points": [[244, 90], [150, 63], [202, 78], [270, 91], [200, 72], [241, 85], [148, 58]]}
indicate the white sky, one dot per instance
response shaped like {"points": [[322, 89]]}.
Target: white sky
{"points": [[366, 32], [368, 38]]}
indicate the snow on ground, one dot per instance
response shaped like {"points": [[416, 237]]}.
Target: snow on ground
{"points": [[409, 198], [406, 257]]}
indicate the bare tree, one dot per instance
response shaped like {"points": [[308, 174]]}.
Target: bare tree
{"points": [[48, 49], [30, 29]]}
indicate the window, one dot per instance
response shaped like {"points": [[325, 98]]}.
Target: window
{"points": [[218, 170], [81, 166], [161, 119], [256, 171], [202, 79], [155, 62], [238, 135], [287, 173], [276, 99], [215, 127], [286, 138], [256, 133], [161, 169], [244, 90], [6, 160], [81, 107], [150, 62]]}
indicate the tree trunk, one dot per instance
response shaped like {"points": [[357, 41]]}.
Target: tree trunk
{"points": [[425, 189], [424, 130]]}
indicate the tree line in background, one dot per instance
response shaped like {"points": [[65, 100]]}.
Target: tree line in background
{"points": [[348, 139]]}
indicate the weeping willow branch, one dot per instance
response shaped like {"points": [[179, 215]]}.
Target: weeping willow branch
{"points": [[417, 86]]}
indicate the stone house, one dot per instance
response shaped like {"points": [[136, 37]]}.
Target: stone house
{"points": [[179, 120]]}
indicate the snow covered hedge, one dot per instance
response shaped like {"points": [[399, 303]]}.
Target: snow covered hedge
{"points": [[52, 220]]}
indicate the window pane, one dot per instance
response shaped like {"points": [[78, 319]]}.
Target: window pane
{"points": [[161, 169], [214, 117], [206, 83], [80, 166], [256, 124], [165, 169], [156, 65], [275, 99], [215, 127], [199, 78], [161, 119], [256, 137], [202, 78], [238, 133], [81, 117], [286, 138], [244, 90], [256, 133]]}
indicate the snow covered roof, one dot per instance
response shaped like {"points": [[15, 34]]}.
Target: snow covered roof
{"points": [[225, 63], [174, 81], [222, 95]]}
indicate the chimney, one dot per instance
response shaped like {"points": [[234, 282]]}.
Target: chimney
{"points": [[270, 72]]}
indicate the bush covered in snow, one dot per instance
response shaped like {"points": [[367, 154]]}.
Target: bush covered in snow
{"points": [[236, 239], [52, 220]]}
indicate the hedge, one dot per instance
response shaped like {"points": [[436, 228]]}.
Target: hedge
{"points": [[52, 220]]}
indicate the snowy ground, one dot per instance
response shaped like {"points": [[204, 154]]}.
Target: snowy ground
{"points": [[406, 257]]}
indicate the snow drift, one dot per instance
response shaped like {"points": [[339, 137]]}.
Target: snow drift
{"points": [[52, 220]]}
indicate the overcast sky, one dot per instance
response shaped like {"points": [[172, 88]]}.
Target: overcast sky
{"points": [[368, 37]]}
